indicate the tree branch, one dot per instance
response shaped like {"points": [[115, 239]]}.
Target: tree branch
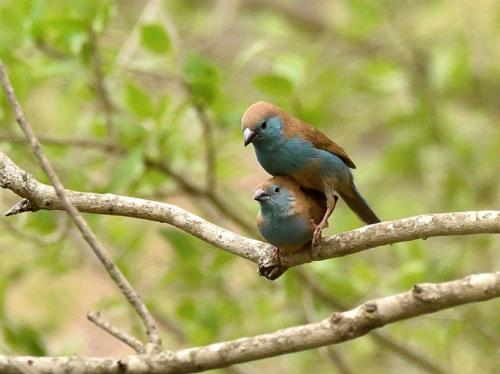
{"points": [[299, 13], [106, 260], [100, 86], [102, 146], [42, 196], [135, 344], [208, 127], [380, 337], [210, 149], [339, 327]]}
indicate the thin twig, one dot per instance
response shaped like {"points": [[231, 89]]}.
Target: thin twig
{"points": [[169, 325], [102, 146], [302, 14], [56, 237], [210, 150], [208, 126], [128, 291], [132, 42], [100, 87], [135, 344]]}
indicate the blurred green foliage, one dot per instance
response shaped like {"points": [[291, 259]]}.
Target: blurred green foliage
{"points": [[410, 89]]}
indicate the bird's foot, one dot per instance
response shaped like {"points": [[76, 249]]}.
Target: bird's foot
{"points": [[317, 234], [272, 268], [324, 222]]}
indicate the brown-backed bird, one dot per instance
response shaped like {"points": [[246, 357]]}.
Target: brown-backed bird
{"points": [[285, 145]]}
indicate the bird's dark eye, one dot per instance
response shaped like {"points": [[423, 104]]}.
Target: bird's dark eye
{"points": [[276, 189], [264, 125]]}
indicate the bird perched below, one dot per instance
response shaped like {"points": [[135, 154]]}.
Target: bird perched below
{"points": [[288, 216], [285, 145]]}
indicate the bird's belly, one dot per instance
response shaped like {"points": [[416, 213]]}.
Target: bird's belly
{"points": [[289, 233]]}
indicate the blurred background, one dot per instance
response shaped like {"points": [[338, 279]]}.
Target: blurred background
{"points": [[144, 98]]}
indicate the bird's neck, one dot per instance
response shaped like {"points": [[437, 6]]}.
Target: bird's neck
{"points": [[269, 145], [283, 210]]}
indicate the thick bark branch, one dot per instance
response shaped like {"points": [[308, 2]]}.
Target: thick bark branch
{"points": [[383, 339], [42, 196], [339, 327]]}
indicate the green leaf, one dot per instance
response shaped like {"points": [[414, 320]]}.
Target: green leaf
{"points": [[202, 78], [363, 17], [182, 243], [24, 339], [138, 101], [155, 38], [131, 134], [186, 309], [127, 171], [161, 106], [451, 68], [274, 85], [103, 16], [410, 273]]}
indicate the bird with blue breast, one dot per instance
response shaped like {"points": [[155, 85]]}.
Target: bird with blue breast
{"points": [[288, 217], [287, 146]]}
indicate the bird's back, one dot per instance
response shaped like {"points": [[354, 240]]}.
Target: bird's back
{"points": [[294, 126]]}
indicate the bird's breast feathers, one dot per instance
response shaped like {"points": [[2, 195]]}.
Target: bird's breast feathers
{"points": [[285, 157], [289, 233]]}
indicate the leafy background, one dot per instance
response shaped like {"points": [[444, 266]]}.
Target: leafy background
{"points": [[128, 96]]}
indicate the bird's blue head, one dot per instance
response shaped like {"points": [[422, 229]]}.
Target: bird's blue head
{"points": [[262, 124], [276, 196]]}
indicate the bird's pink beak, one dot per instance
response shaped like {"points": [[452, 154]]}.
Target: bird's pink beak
{"points": [[260, 195], [248, 136]]}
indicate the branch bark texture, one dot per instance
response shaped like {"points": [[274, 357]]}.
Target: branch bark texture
{"points": [[339, 327]]}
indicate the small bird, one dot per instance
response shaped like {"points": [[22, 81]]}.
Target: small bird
{"points": [[288, 214], [285, 145]]}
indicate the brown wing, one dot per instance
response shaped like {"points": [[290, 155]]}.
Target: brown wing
{"points": [[316, 204], [317, 138]]}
